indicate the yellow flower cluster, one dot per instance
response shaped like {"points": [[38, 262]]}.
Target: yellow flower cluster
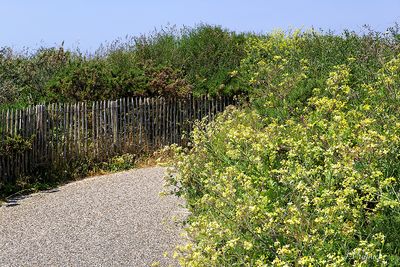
{"points": [[321, 189]]}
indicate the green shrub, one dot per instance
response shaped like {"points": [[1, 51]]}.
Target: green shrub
{"points": [[119, 163], [82, 80], [11, 145], [207, 55], [23, 76]]}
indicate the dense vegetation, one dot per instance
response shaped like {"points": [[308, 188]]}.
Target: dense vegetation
{"points": [[307, 173], [169, 62]]}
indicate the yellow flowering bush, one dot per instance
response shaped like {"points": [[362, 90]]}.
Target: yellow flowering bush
{"points": [[274, 72], [317, 189]]}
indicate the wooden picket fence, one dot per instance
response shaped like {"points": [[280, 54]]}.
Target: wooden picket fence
{"points": [[61, 133]]}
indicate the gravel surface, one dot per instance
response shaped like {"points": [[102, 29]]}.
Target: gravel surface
{"points": [[111, 220]]}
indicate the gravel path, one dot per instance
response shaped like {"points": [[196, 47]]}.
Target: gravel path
{"points": [[111, 220]]}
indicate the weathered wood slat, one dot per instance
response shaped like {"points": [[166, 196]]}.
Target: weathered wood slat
{"points": [[1, 142]]}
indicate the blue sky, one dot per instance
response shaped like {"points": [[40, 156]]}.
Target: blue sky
{"points": [[88, 23]]}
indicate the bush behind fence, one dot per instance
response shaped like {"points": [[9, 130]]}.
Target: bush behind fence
{"points": [[56, 134]]}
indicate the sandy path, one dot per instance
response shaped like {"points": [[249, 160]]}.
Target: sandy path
{"points": [[111, 220]]}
